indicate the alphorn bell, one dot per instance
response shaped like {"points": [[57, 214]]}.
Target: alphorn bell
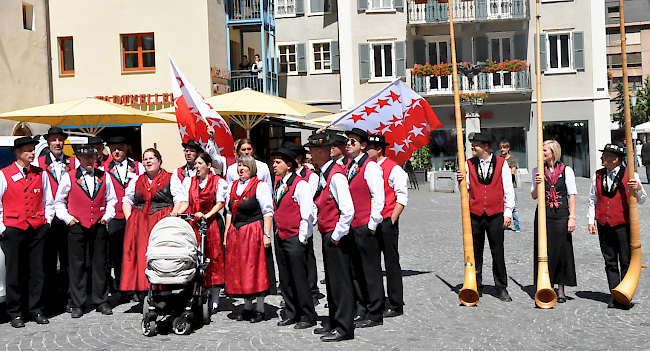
{"points": [[468, 295], [625, 290], [545, 296]]}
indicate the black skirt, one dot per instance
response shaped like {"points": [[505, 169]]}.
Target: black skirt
{"points": [[561, 263]]}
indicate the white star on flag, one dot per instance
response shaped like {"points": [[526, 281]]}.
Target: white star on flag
{"points": [[397, 148], [183, 130], [416, 131]]}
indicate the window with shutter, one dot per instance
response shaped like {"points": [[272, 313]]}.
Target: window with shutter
{"points": [[578, 51], [335, 55], [288, 58], [560, 52], [364, 61], [321, 57], [301, 53], [382, 66]]}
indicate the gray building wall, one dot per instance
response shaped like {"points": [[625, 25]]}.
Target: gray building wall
{"points": [[635, 11]]}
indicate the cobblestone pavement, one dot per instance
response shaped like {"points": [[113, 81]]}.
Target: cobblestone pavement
{"points": [[431, 250]]}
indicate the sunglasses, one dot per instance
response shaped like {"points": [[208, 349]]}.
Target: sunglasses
{"points": [[246, 149], [352, 141]]}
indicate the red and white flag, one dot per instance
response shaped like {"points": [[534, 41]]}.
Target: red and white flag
{"points": [[399, 114], [193, 112]]}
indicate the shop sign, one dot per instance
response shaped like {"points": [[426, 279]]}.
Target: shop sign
{"points": [[483, 115], [139, 99]]}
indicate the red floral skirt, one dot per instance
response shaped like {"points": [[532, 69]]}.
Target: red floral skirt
{"points": [[136, 240], [246, 272], [214, 251]]}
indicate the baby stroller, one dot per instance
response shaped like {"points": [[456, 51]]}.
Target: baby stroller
{"points": [[176, 264]]}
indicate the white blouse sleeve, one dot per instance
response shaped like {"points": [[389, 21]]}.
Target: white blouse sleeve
{"points": [[179, 193], [570, 181], [222, 190], [228, 209], [263, 195], [129, 192]]}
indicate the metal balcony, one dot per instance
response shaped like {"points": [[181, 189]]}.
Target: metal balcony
{"points": [[251, 79], [246, 12], [498, 82], [432, 12]]}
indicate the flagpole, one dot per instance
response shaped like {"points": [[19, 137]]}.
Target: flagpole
{"points": [[468, 295]]}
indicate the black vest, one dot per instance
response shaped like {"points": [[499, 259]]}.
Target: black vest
{"points": [[162, 199], [248, 211]]}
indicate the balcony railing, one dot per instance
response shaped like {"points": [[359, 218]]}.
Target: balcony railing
{"points": [[252, 79], [249, 10], [502, 81], [466, 11]]}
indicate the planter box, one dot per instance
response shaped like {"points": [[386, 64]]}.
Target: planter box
{"points": [[443, 181]]}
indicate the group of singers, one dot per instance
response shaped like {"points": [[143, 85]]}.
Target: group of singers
{"points": [[94, 215]]}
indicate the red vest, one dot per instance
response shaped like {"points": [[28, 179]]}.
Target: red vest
{"points": [[87, 210], [286, 214], [22, 202], [389, 193], [45, 163], [612, 209], [360, 193], [328, 210], [181, 172], [204, 200], [120, 188], [485, 198]]}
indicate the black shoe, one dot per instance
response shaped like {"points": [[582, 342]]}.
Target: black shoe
{"points": [[257, 317], [324, 329], [304, 325], [286, 322], [503, 295], [392, 313], [323, 281], [359, 318], [124, 298], [561, 299], [611, 304], [335, 335], [368, 323], [480, 291], [245, 315], [105, 309], [18, 322], [41, 319], [68, 308], [136, 298], [77, 312], [621, 306]]}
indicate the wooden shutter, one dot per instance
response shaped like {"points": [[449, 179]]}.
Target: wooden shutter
{"points": [[520, 47], [420, 51], [362, 5], [542, 49], [334, 46], [398, 4], [300, 7], [579, 51], [482, 53], [400, 59], [364, 61], [301, 53]]}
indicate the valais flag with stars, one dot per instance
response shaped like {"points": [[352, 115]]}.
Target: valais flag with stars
{"points": [[192, 112], [398, 113]]}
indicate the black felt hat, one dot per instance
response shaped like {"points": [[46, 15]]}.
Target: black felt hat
{"points": [[377, 140], [55, 130], [193, 143], [298, 149], [358, 132], [285, 154], [320, 140], [117, 140], [615, 149], [480, 137], [95, 139], [22, 141], [85, 150]]}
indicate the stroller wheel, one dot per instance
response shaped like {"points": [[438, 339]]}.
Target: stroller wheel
{"points": [[181, 326], [148, 329], [205, 310]]}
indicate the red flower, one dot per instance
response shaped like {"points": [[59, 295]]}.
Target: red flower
{"points": [[131, 169], [49, 168], [113, 170], [79, 181]]}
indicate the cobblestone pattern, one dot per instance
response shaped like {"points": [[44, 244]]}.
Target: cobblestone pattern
{"points": [[431, 254]]}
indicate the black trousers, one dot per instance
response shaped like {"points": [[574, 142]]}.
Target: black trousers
{"points": [[292, 255], [270, 269], [23, 251], [647, 171], [492, 226], [615, 246], [115, 249], [312, 270], [338, 275], [56, 281], [388, 235], [368, 278], [83, 243]]}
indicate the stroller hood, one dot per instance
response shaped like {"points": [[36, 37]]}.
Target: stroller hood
{"points": [[172, 252]]}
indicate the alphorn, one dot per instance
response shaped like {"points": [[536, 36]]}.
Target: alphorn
{"points": [[625, 290], [468, 295], [545, 296]]}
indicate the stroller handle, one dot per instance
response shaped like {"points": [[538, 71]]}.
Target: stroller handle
{"points": [[189, 216]]}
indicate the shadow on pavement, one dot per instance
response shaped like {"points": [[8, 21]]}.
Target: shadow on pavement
{"points": [[528, 289], [455, 289], [594, 295], [408, 272]]}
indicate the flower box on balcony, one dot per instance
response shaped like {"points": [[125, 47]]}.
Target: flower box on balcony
{"points": [[473, 98], [426, 70], [419, 2]]}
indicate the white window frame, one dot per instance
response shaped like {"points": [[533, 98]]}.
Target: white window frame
{"points": [[295, 45], [277, 6], [372, 61], [437, 39], [448, 79], [549, 69], [371, 9], [501, 35], [312, 69], [309, 13]]}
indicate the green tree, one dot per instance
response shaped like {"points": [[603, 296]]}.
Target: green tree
{"points": [[422, 158], [638, 112]]}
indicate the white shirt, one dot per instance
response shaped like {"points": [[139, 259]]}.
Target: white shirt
{"points": [[263, 173], [123, 169], [375, 180], [262, 194], [591, 212], [176, 187], [506, 179], [218, 161], [312, 179], [340, 192], [48, 201], [398, 181], [570, 181], [57, 164], [61, 202], [221, 188], [305, 199]]}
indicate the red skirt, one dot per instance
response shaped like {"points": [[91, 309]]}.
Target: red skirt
{"points": [[136, 240], [214, 251], [246, 272]]}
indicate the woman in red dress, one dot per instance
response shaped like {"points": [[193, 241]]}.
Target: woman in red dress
{"points": [[147, 199], [207, 195], [248, 226]]}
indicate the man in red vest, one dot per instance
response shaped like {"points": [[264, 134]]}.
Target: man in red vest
{"points": [[396, 198], [121, 170], [191, 149], [56, 164], [335, 213], [491, 200], [367, 190], [27, 207], [86, 202], [608, 209], [292, 217]]}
